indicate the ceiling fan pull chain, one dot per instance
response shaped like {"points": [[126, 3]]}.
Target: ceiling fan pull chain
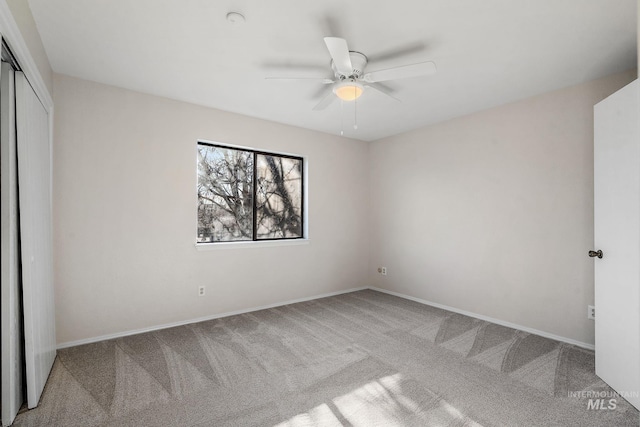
{"points": [[341, 117], [355, 113]]}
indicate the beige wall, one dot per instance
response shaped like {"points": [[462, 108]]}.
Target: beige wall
{"points": [[124, 212], [23, 17], [492, 213]]}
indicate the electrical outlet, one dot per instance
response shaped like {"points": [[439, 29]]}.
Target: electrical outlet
{"points": [[201, 291], [591, 312], [384, 271]]}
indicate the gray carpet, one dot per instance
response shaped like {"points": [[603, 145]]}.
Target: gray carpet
{"points": [[358, 359]]}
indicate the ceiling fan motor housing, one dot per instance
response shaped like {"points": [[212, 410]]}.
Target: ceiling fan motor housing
{"points": [[358, 62]]}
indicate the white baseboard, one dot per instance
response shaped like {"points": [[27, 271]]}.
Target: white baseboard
{"points": [[200, 319], [489, 319], [330, 294]]}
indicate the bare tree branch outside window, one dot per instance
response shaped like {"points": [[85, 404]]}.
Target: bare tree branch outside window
{"points": [[247, 195], [279, 197]]}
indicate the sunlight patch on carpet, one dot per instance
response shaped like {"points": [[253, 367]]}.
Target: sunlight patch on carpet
{"points": [[382, 402]]}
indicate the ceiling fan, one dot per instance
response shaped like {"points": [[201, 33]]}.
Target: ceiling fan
{"points": [[351, 80]]}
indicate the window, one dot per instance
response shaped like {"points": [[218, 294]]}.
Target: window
{"points": [[246, 195]]}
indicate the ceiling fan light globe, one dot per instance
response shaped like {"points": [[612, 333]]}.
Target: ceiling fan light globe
{"points": [[348, 91]]}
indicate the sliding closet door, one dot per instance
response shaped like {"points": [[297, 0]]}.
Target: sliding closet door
{"points": [[12, 363], [34, 177]]}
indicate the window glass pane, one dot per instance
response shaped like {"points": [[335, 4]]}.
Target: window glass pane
{"points": [[225, 194], [278, 197]]}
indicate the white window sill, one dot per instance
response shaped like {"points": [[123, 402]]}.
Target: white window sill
{"points": [[250, 244]]}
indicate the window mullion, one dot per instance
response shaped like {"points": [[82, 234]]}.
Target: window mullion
{"points": [[255, 197]]}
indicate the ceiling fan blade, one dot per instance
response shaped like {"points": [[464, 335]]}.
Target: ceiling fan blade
{"points": [[324, 103], [319, 93], [408, 49], [294, 65], [339, 52], [322, 80], [382, 89], [403, 72], [330, 24]]}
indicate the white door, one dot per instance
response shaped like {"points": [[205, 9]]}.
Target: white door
{"points": [[617, 235], [34, 192], [11, 318]]}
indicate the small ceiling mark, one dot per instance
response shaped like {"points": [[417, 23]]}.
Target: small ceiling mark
{"points": [[235, 18]]}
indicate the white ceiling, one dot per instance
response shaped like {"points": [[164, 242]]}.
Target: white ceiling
{"points": [[488, 52]]}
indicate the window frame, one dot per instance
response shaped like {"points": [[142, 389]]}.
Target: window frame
{"points": [[254, 240]]}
